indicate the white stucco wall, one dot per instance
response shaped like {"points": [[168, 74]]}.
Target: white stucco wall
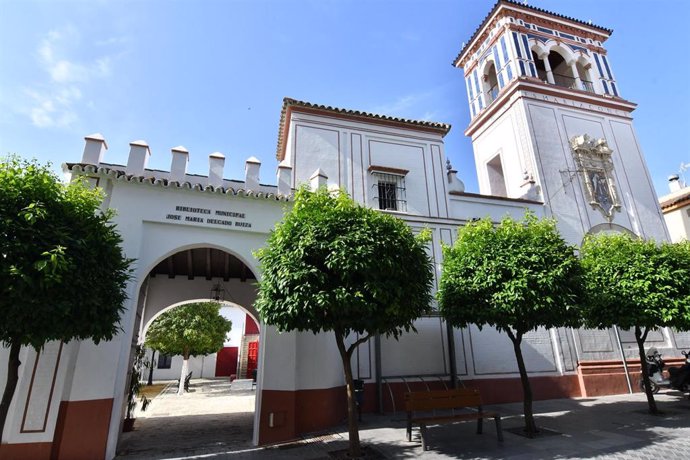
{"points": [[532, 133], [678, 223], [345, 150]]}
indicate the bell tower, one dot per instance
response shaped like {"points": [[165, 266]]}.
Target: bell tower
{"points": [[549, 122]]}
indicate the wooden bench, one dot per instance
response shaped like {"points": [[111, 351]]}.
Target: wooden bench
{"points": [[449, 401], [186, 382]]}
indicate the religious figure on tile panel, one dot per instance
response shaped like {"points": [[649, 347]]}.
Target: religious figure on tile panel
{"points": [[594, 163]]}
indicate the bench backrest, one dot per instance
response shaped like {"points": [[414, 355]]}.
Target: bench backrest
{"points": [[442, 399]]}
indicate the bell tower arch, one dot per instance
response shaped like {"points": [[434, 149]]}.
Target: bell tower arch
{"points": [[548, 121]]}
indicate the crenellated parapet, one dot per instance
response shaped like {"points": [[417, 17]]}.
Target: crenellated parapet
{"points": [[136, 171]]}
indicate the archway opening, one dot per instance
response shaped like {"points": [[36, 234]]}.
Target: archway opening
{"points": [[490, 83], [541, 68], [562, 71], [583, 71], [219, 404]]}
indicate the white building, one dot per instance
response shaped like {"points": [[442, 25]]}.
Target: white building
{"points": [[551, 133], [676, 209], [232, 360]]}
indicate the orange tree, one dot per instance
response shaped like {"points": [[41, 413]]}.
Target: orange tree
{"points": [[515, 276], [333, 265], [636, 284], [193, 329], [62, 271]]}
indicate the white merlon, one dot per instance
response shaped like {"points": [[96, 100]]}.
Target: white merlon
{"points": [[139, 154], [178, 166], [216, 163], [284, 179], [94, 149], [318, 179], [251, 174]]}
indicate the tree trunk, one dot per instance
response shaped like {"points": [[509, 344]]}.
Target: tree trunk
{"points": [[355, 450], [153, 359], [11, 384], [530, 426], [640, 338], [183, 372]]}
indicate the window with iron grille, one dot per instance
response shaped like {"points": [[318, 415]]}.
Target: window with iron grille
{"points": [[164, 361], [389, 191]]}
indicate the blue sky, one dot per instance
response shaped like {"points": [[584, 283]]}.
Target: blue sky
{"points": [[211, 75]]}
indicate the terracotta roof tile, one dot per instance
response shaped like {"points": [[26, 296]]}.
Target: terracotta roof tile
{"points": [[676, 198], [118, 174], [441, 128], [527, 7]]}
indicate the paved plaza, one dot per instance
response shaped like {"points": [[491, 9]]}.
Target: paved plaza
{"points": [[212, 422]]}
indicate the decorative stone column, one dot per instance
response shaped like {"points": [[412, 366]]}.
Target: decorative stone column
{"points": [[547, 66], [576, 75]]}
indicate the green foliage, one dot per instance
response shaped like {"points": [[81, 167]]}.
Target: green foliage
{"points": [[189, 330], [62, 271], [332, 264], [135, 383], [631, 282], [517, 276]]}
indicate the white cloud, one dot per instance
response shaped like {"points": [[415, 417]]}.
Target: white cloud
{"points": [[112, 41], [423, 105], [429, 116], [399, 106], [62, 69], [409, 106], [54, 110], [55, 102]]}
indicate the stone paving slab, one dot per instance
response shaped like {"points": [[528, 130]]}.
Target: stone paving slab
{"points": [[210, 418], [616, 427]]}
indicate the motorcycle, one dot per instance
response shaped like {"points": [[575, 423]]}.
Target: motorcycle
{"points": [[679, 376]]}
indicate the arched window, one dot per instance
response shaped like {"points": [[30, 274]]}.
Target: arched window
{"points": [[562, 72], [585, 77], [490, 83], [541, 69]]}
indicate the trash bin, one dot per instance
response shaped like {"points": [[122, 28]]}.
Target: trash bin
{"points": [[359, 396]]}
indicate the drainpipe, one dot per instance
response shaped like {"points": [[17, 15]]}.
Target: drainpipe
{"points": [[625, 362]]}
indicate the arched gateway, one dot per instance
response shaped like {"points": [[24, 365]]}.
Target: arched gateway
{"points": [[550, 133]]}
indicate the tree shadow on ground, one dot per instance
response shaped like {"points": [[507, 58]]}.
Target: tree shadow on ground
{"points": [[588, 428], [185, 435]]}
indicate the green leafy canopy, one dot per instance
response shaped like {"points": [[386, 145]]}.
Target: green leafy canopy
{"points": [[192, 329], [63, 273], [631, 282], [332, 264], [517, 275]]}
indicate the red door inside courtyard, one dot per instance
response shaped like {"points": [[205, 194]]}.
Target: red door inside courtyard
{"points": [[252, 358], [226, 362]]}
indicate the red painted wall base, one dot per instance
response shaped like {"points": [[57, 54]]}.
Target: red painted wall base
{"points": [[607, 377], [287, 414], [26, 451], [82, 426], [81, 431]]}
